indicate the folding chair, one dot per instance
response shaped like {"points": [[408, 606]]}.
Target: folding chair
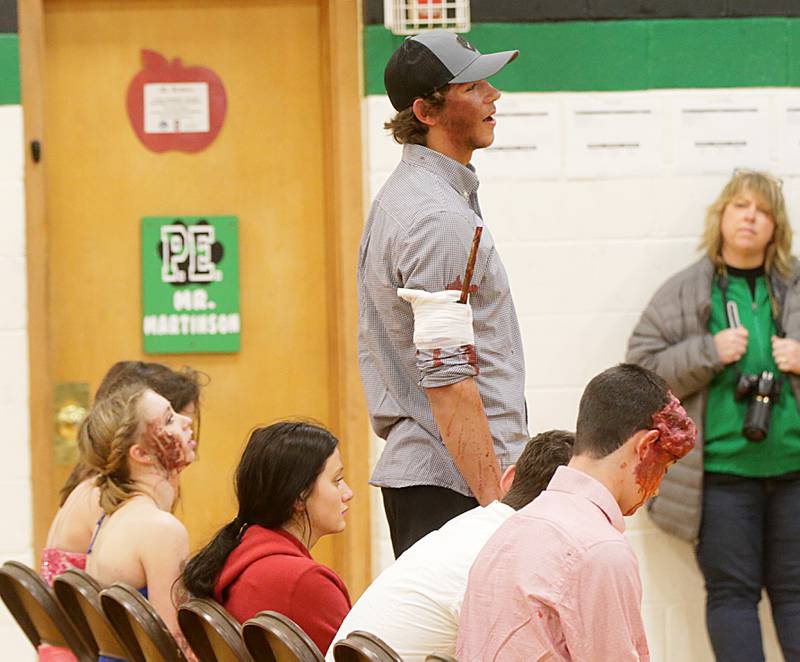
{"points": [[138, 626], [213, 634], [360, 646], [37, 612], [79, 595], [272, 637]]}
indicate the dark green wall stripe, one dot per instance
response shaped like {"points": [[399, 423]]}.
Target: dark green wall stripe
{"points": [[626, 55], [535, 11], [9, 69]]}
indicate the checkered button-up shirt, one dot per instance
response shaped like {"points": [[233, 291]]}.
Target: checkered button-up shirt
{"points": [[418, 235]]}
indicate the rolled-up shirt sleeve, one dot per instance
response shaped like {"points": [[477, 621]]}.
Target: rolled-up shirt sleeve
{"points": [[436, 260]]}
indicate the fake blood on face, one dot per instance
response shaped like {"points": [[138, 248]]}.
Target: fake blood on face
{"points": [[677, 434], [166, 447]]}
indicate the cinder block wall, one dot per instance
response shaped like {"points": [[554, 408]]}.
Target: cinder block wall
{"points": [[585, 255], [16, 534], [583, 258]]}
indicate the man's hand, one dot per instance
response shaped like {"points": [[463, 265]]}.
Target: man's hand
{"points": [[731, 344], [786, 352], [461, 419]]}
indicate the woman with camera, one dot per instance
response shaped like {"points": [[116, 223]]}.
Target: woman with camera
{"points": [[724, 333]]}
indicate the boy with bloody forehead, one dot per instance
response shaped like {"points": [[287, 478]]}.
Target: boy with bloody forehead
{"points": [[558, 580], [445, 392]]}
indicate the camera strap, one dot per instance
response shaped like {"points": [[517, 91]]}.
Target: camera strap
{"points": [[732, 311], [774, 304]]}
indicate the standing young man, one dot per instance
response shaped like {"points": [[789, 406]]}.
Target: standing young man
{"points": [[558, 580], [448, 398]]}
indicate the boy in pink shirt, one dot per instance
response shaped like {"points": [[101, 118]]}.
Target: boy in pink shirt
{"points": [[558, 580]]}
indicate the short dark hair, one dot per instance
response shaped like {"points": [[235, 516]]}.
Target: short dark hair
{"points": [[406, 128], [615, 405], [279, 466], [542, 455]]}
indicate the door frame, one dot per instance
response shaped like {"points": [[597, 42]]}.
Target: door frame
{"points": [[342, 81]]}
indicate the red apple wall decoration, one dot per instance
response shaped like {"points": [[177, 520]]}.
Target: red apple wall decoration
{"points": [[157, 69]]}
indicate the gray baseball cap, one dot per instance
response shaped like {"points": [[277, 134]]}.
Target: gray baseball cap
{"points": [[430, 60]]}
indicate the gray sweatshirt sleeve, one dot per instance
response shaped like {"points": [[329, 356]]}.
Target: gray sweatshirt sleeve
{"points": [[687, 364]]}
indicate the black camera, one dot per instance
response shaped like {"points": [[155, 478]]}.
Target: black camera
{"points": [[762, 390]]}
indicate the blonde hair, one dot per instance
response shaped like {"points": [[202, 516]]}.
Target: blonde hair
{"points": [[767, 189], [106, 435]]}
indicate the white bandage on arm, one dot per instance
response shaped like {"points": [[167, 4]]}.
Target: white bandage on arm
{"points": [[439, 321]]}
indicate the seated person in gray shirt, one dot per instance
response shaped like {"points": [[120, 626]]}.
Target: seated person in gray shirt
{"points": [[414, 604], [453, 415]]}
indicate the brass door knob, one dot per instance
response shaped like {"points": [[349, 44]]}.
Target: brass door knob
{"points": [[68, 420]]}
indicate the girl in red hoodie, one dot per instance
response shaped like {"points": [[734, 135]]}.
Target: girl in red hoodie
{"points": [[291, 492]]}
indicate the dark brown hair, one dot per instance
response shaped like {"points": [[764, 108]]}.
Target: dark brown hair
{"points": [[615, 405], [542, 455], [279, 466]]}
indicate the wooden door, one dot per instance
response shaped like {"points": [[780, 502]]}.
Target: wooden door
{"points": [[273, 165]]}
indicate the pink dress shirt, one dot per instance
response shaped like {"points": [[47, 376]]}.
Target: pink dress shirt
{"points": [[557, 581]]}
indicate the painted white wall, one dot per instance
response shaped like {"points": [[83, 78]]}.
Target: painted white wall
{"points": [[16, 519], [584, 257]]}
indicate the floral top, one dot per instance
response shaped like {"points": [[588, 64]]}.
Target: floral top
{"points": [[55, 561]]}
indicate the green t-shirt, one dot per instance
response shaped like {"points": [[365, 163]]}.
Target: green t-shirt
{"points": [[726, 448]]}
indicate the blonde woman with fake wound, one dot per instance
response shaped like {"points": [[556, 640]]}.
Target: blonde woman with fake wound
{"points": [[137, 444], [74, 523], [725, 334]]}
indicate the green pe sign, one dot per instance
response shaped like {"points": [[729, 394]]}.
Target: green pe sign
{"points": [[190, 284]]}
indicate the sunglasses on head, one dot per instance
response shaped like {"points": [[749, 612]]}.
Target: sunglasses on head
{"points": [[759, 173]]}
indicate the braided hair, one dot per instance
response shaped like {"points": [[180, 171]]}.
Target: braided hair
{"points": [[181, 387], [105, 437]]}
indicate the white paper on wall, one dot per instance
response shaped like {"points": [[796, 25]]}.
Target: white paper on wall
{"points": [[527, 142], [613, 135], [719, 131], [786, 140]]}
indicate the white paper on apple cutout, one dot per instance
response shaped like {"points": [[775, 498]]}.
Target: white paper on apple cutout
{"points": [[176, 108]]}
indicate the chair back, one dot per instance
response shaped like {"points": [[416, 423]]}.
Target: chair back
{"points": [[213, 634], [360, 646], [272, 637], [138, 626], [37, 612], [79, 595], [440, 657]]}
